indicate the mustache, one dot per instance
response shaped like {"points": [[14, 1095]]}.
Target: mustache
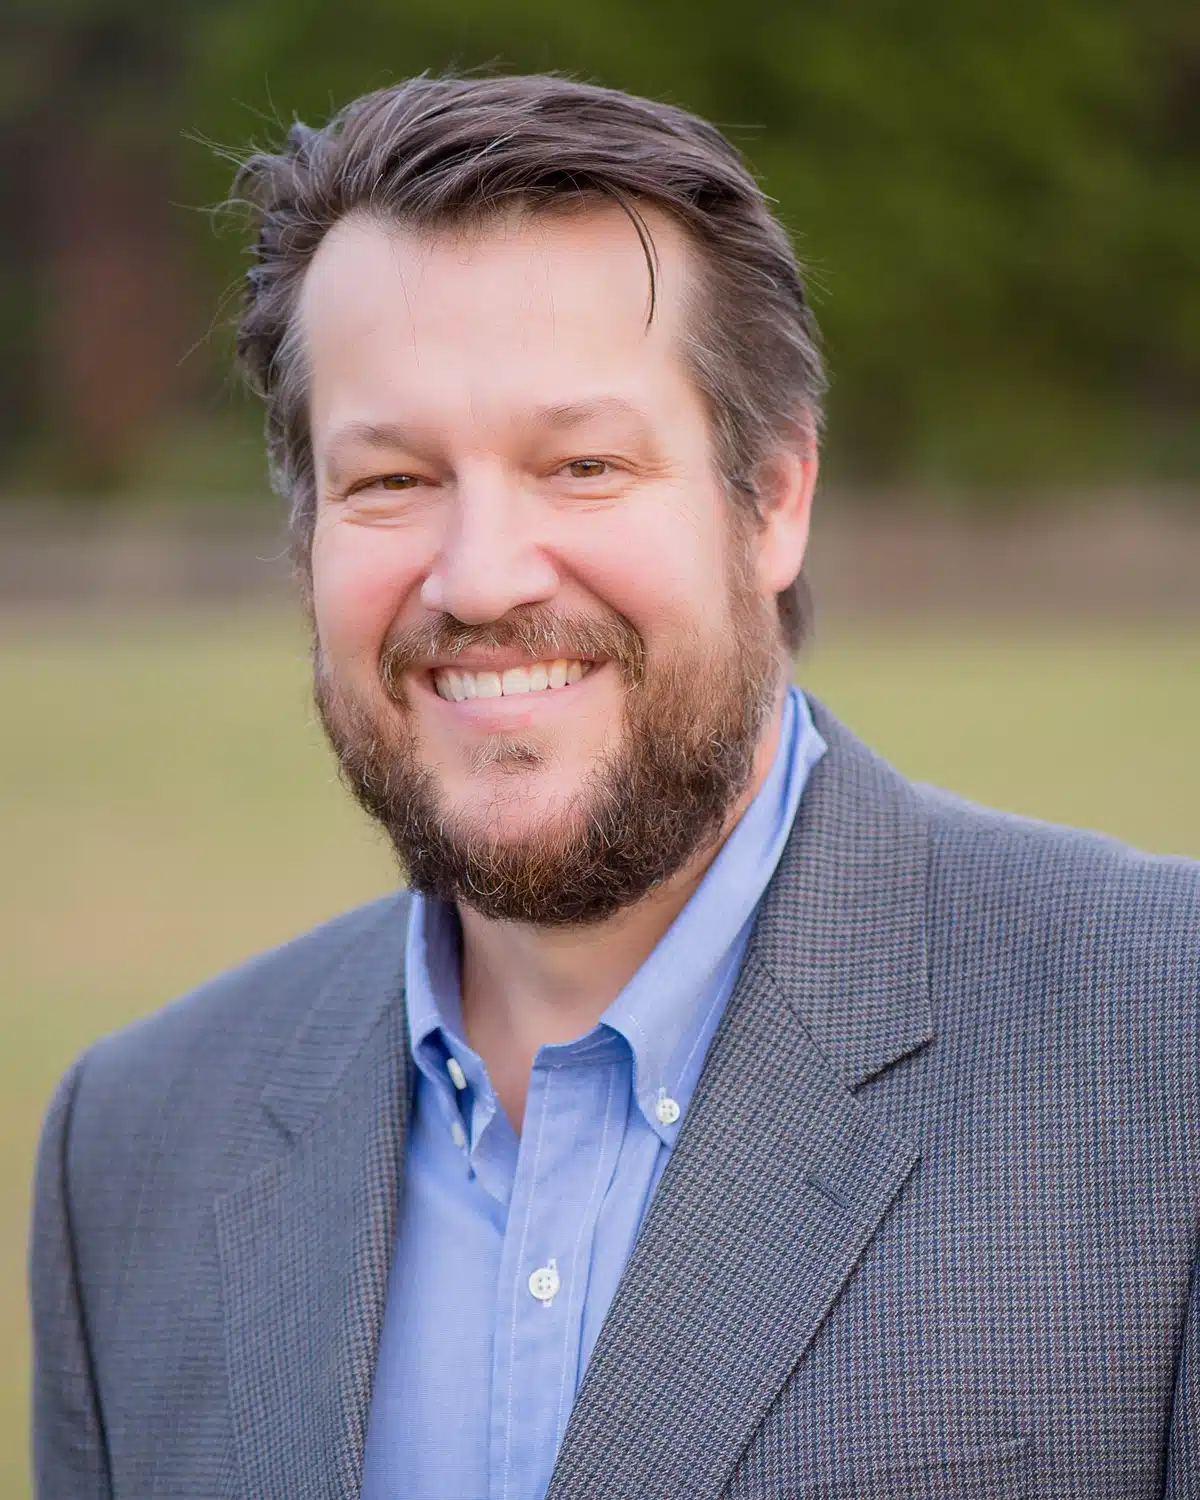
{"points": [[540, 633]]}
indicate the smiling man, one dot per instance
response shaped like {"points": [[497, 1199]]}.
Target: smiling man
{"points": [[718, 1113]]}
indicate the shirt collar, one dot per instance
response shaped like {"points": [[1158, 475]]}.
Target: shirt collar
{"points": [[668, 1011], [432, 994]]}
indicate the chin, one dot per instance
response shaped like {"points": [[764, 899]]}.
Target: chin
{"points": [[514, 804]]}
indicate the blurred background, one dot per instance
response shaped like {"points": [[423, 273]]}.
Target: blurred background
{"points": [[999, 207]]}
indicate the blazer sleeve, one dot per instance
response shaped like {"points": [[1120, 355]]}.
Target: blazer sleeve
{"points": [[70, 1459], [1183, 1439]]}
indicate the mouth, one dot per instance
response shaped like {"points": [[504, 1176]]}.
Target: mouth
{"points": [[457, 685]]}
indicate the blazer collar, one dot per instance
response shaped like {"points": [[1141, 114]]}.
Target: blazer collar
{"points": [[781, 1177], [365, 986], [841, 929]]}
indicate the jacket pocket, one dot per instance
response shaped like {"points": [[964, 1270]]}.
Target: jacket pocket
{"points": [[998, 1470]]}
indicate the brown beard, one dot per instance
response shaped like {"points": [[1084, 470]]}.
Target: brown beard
{"points": [[692, 726]]}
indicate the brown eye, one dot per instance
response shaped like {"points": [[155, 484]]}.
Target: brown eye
{"points": [[586, 468], [398, 481]]}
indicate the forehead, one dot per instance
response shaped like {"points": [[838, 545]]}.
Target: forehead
{"points": [[541, 308]]}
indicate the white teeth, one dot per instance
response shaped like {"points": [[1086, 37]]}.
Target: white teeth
{"points": [[456, 686]]}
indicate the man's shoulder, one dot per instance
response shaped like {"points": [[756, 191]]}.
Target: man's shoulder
{"points": [[1033, 887], [227, 1033], [974, 837], [993, 876]]}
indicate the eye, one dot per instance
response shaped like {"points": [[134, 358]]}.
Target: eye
{"points": [[397, 481], [586, 468]]}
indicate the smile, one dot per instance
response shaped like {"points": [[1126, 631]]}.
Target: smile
{"points": [[456, 685]]}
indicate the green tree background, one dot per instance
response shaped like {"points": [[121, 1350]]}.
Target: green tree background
{"points": [[999, 206]]}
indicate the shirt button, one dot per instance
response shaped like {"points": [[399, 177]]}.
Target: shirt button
{"points": [[544, 1283], [457, 1077], [666, 1109], [457, 1134]]}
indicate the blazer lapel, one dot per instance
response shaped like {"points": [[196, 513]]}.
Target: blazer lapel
{"points": [[781, 1176], [306, 1241]]}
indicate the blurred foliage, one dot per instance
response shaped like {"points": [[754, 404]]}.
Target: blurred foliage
{"points": [[999, 207]]}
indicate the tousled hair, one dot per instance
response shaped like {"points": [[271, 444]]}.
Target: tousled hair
{"points": [[430, 153]]}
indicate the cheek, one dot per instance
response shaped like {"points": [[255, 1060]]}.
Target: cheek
{"points": [[662, 566], [361, 581]]}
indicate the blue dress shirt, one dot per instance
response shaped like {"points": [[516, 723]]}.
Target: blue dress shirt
{"points": [[509, 1250]]}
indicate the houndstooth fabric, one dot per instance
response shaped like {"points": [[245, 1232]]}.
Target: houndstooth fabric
{"points": [[928, 1230]]}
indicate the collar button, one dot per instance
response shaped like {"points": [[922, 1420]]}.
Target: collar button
{"points": [[666, 1110]]}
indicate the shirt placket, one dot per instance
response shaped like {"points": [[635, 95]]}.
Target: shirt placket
{"points": [[574, 1119]]}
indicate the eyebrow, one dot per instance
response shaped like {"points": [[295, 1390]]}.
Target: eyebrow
{"points": [[371, 435], [576, 413]]}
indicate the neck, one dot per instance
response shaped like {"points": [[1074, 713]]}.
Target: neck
{"points": [[527, 987]]}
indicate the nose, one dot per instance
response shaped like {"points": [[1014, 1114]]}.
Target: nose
{"points": [[491, 559]]}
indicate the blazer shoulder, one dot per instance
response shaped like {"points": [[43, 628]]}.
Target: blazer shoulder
{"points": [[960, 827], [233, 1027], [1097, 901]]}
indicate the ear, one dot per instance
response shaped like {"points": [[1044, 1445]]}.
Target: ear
{"points": [[786, 482]]}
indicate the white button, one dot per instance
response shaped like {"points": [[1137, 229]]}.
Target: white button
{"points": [[544, 1282], [666, 1109], [457, 1134], [457, 1077]]}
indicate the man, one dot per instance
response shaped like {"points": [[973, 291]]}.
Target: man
{"points": [[722, 1115]]}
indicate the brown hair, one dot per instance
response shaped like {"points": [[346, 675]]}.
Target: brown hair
{"points": [[433, 151]]}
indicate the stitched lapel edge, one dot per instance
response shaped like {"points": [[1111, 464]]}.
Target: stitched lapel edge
{"points": [[368, 979], [843, 926]]}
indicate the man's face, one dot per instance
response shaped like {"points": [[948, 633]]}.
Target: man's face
{"points": [[528, 587]]}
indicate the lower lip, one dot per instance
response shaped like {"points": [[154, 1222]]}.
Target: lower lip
{"points": [[513, 711]]}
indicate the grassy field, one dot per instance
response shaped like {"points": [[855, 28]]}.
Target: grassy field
{"points": [[168, 808]]}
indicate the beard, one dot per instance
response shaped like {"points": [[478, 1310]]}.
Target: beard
{"points": [[657, 798]]}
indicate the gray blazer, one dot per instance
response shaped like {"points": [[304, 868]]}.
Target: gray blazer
{"points": [[929, 1230]]}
